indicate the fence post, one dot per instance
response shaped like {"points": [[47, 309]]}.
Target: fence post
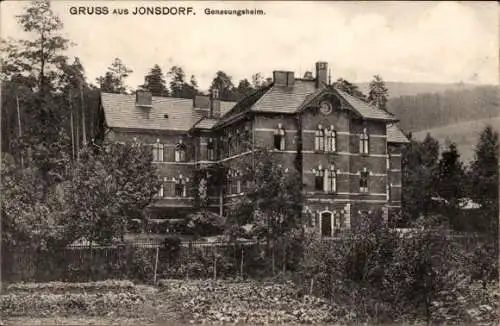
{"points": [[241, 261], [156, 265], [215, 266]]}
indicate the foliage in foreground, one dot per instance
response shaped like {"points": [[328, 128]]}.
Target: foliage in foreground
{"points": [[386, 276]]}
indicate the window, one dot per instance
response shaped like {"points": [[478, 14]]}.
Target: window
{"points": [[180, 186], [234, 182], [158, 151], [389, 186], [210, 149], [331, 185], [180, 152], [318, 178], [331, 140], [319, 140], [161, 191], [364, 142], [363, 180], [279, 138], [230, 145], [388, 163]]}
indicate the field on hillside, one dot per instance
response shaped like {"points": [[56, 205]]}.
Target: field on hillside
{"points": [[465, 134]]}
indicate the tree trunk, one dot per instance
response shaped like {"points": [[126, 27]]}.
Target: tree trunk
{"points": [[83, 115]]}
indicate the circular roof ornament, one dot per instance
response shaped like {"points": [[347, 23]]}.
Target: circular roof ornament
{"points": [[325, 108]]}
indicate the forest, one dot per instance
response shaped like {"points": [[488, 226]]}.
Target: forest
{"points": [[430, 110]]}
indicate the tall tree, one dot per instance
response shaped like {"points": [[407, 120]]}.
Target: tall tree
{"points": [[114, 79], [349, 88], [155, 82], [484, 171], [44, 51], [451, 175], [223, 82], [274, 213], [244, 89], [419, 164], [378, 94], [179, 87], [110, 186]]}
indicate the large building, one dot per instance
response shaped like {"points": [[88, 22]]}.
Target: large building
{"points": [[349, 152]]}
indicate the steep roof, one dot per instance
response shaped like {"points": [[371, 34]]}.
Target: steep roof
{"points": [[395, 135], [120, 111], [280, 99]]}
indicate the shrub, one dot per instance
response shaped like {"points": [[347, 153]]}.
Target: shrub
{"points": [[386, 276]]}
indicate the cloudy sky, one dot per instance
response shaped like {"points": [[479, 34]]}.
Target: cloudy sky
{"points": [[403, 41]]}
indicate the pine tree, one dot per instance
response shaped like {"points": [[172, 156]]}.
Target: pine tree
{"points": [[244, 89], [224, 84], [114, 79], [378, 94], [419, 164], [179, 87], [349, 88], [484, 171], [155, 82]]}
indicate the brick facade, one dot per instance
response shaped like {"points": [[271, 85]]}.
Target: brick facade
{"points": [[347, 143]]}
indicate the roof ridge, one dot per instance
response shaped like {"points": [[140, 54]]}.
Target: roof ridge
{"points": [[162, 97]]}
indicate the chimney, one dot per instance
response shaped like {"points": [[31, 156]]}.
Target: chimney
{"points": [[283, 78], [321, 74], [143, 99], [215, 104], [308, 75]]}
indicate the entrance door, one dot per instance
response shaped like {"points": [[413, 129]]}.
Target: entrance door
{"points": [[326, 224]]}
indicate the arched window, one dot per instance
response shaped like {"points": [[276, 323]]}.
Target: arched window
{"points": [[319, 175], [279, 138], [364, 142], [331, 139], [363, 180], [319, 140], [157, 151], [180, 152], [332, 180]]}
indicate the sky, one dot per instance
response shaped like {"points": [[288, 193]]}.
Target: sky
{"points": [[442, 42]]}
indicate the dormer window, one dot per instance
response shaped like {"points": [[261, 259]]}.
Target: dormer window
{"points": [[157, 151], [331, 139], [363, 180], [364, 141], [279, 138], [319, 140], [180, 152]]}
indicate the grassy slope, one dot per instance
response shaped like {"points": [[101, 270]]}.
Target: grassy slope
{"points": [[465, 134]]}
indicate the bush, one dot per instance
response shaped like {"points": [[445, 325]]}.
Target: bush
{"points": [[386, 276]]}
